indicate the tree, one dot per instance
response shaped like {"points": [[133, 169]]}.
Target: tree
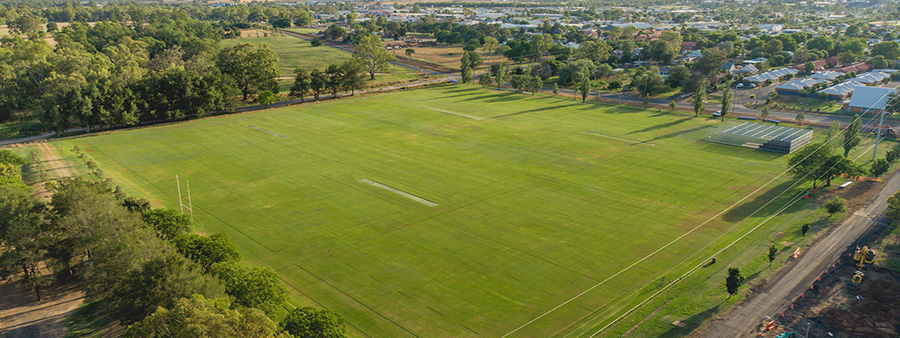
{"points": [[851, 136], [878, 62], [370, 53], [26, 237], [309, 322], [673, 106], [710, 62], [699, 100], [497, 73], [409, 52], [733, 281], [352, 76], [678, 75], [317, 81], [555, 89], [251, 287], [252, 68], [485, 79], [160, 281], [831, 138], [490, 44], [799, 117], [315, 42], [301, 83], [893, 207], [846, 57], [804, 229], [764, 113], [206, 251], [772, 252], [888, 49], [334, 79], [198, 316], [835, 205], [880, 167], [727, 100], [265, 97], [334, 32], [805, 163], [466, 73], [809, 66], [166, 222], [585, 88]]}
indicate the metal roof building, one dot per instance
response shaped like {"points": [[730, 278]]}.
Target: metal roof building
{"points": [[760, 136]]}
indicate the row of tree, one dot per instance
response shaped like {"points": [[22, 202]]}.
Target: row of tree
{"points": [[140, 264]]}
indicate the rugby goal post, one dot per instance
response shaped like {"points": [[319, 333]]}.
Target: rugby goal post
{"points": [[181, 205]]}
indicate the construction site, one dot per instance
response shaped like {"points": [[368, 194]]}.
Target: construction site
{"points": [[858, 296]]}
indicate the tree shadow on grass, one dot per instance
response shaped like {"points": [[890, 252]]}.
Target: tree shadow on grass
{"points": [[661, 126], [532, 111], [677, 133], [691, 323], [748, 207]]}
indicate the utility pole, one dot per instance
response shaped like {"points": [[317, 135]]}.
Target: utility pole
{"points": [[878, 134]]}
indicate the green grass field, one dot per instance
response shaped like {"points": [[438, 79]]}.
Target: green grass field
{"points": [[537, 201], [295, 52]]}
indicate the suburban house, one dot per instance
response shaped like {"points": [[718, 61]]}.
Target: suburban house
{"points": [[771, 28], [796, 86], [856, 68], [840, 91], [773, 76], [871, 78], [869, 99], [826, 75], [729, 67], [747, 70], [817, 65]]}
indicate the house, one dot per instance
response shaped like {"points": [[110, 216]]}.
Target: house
{"points": [[754, 61], [869, 99], [826, 75], [796, 87], [688, 46], [871, 78], [817, 65], [841, 91], [773, 76], [771, 28], [747, 70], [729, 67], [856, 68]]}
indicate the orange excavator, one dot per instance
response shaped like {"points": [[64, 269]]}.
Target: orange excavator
{"points": [[886, 130]]}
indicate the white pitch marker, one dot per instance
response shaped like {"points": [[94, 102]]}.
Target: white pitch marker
{"points": [[399, 192], [458, 114]]}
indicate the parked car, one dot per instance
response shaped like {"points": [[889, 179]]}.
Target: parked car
{"points": [[718, 113]]}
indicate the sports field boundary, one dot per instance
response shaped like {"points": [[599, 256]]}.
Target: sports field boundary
{"points": [[266, 131]]}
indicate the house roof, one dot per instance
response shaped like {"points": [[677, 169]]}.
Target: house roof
{"points": [[842, 89], [826, 75], [871, 77], [748, 69], [772, 75], [871, 97], [800, 84]]}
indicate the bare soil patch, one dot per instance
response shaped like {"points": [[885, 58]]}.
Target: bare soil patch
{"points": [[21, 315]]}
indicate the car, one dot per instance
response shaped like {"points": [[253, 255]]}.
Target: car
{"points": [[752, 86], [718, 113], [740, 85]]}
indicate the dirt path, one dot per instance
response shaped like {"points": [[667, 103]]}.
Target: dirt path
{"points": [[21, 315], [55, 166], [745, 319]]}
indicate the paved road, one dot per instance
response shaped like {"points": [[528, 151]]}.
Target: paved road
{"points": [[745, 319]]}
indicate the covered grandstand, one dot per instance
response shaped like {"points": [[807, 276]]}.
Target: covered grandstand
{"points": [[760, 136]]}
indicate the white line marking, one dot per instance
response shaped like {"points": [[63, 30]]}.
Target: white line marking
{"points": [[458, 114], [619, 138], [400, 192]]}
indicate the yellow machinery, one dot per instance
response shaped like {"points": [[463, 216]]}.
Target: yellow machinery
{"points": [[857, 278], [863, 256]]}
